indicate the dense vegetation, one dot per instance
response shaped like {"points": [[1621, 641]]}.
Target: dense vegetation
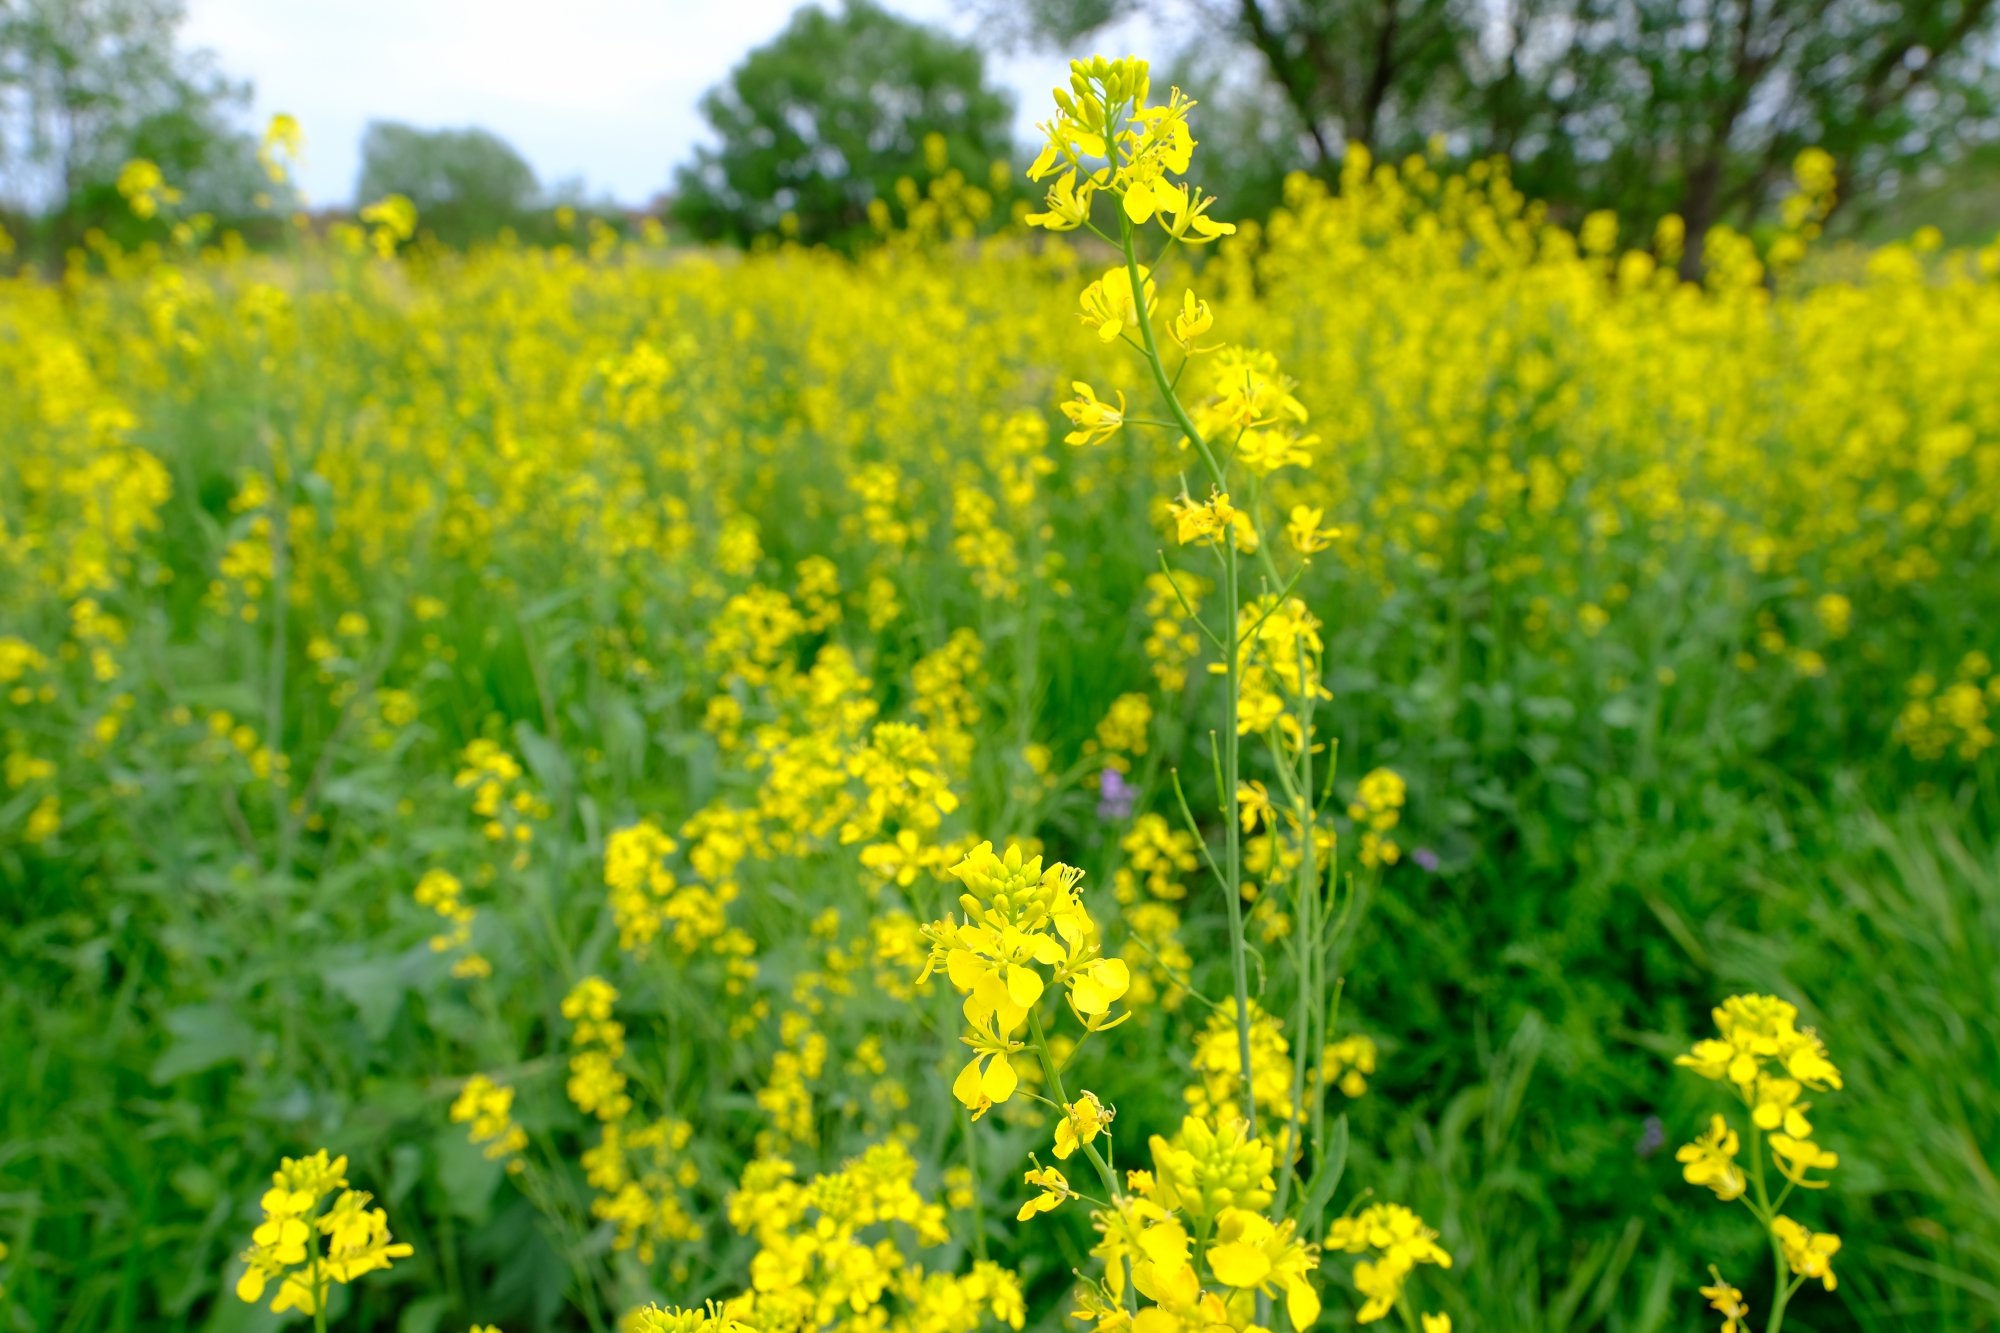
{"points": [[353, 605]]}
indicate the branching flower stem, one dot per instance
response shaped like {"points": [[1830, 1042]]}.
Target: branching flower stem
{"points": [[1232, 683]]}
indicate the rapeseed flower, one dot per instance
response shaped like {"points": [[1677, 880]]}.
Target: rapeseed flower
{"points": [[306, 1248], [1711, 1161], [1808, 1255]]}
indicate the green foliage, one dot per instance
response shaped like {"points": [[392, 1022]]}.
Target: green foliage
{"points": [[467, 184], [1644, 109], [830, 116], [191, 983], [95, 83]]}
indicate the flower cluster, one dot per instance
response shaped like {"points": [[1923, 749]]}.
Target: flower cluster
{"points": [[1218, 1059], [1399, 1240], [489, 1107], [1769, 1062], [1953, 718], [444, 893], [1019, 918], [820, 1266], [1378, 808], [305, 1248], [645, 898], [491, 773]]}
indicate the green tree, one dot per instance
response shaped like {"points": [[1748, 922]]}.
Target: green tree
{"points": [[86, 85], [826, 119], [467, 184], [1695, 107]]}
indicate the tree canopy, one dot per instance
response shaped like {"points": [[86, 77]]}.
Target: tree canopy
{"points": [[86, 85], [467, 184], [825, 119], [1695, 107]]}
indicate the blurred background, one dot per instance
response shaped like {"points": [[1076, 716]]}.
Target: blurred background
{"points": [[725, 119]]}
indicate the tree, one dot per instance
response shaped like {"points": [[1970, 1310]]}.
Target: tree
{"points": [[826, 119], [1698, 107], [1695, 107], [467, 184], [85, 85]]}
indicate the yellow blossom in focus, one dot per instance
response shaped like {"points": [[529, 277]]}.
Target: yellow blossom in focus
{"points": [[1108, 306], [1203, 522], [1094, 420], [1054, 1189], [1083, 1120], [1068, 206], [1192, 320], [1711, 1161]]}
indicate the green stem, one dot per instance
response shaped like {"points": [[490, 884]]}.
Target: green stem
{"points": [[1305, 931], [972, 1170], [1104, 1172], [1783, 1298], [1232, 856]]}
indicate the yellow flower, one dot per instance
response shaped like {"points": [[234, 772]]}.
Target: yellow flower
{"points": [[357, 1237], [1185, 217], [1210, 1167], [1094, 420], [1795, 1157], [1381, 1281], [988, 1078], [1711, 1160], [1193, 319], [1202, 522], [1108, 305], [1727, 1301], [1250, 1253], [1083, 1119], [1437, 1323], [144, 188], [1305, 533], [1265, 451], [282, 146], [1777, 1105], [1069, 207], [1807, 1254], [489, 1106], [1054, 1189]]}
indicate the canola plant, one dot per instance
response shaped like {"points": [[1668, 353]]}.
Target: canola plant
{"points": [[689, 668]]}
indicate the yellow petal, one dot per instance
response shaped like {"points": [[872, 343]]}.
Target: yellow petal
{"points": [[1000, 1080], [966, 1086], [1024, 985], [965, 968], [1302, 1304], [1239, 1265]]}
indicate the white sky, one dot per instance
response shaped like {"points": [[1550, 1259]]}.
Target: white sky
{"points": [[605, 90]]}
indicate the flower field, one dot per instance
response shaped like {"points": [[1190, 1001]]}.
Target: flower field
{"points": [[581, 736]]}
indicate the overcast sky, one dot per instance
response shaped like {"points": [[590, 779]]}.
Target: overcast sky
{"points": [[604, 90]]}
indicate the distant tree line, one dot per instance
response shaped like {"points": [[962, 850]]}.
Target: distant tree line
{"points": [[1646, 107], [855, 120]]}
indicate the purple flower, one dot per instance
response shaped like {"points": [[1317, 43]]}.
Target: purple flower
{"points": [[1426, 858], [1652, 1137], [1115, 795]]}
